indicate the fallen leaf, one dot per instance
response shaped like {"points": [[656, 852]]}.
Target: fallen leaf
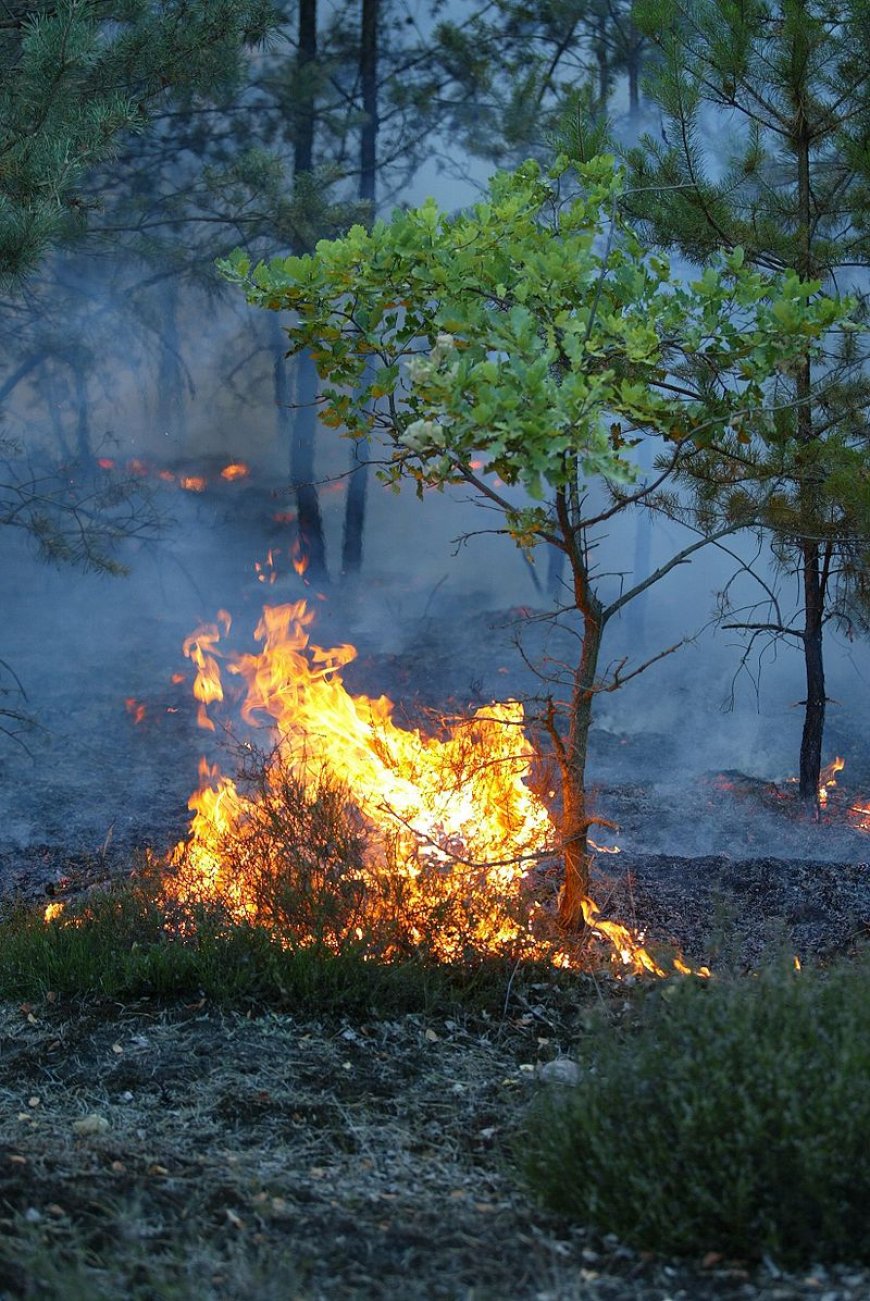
{"points": [[16, 1159], [432, 1037], [156, 1169], [235, 1220], [116, 1048]]}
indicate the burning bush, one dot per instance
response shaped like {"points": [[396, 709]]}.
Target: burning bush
{"points": [[298, 857], [736, 1120]]}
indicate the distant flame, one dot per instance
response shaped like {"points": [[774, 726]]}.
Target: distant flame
{"points": [[457, 812], [236, 470], [105, 463], [192, 483], [135, 709], [52, 911], [266, 570]]}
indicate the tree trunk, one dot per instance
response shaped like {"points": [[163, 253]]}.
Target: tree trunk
{"points": [[808, 490], [633, 63], [814, 714], [303, 143], [311, 545], [357, 485], [573, 752]]}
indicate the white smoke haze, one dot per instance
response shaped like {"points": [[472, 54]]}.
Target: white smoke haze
{"points": [[431, 617]]}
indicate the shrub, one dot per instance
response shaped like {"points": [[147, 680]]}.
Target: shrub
{"points": [[735, 1118]]}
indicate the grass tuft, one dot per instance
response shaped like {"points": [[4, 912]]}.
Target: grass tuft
{"points": [[734, 1118]]}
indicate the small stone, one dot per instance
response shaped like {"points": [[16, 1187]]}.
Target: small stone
{"points": [[561, 1070], [88, 1125]]}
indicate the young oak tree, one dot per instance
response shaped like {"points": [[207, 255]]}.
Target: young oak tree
{"points": [[531, 338]]}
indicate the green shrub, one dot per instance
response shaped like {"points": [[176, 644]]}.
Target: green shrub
{"points": [[734, 1117], [132, 942]]}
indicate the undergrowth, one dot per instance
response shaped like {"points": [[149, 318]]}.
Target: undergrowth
{"points": [[735, 1118], [127, 943]]}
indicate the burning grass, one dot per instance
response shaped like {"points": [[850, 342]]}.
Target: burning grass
{"points": [[736, 1119]]}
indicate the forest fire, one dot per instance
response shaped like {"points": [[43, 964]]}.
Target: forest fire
{"points": [[455, 837]]}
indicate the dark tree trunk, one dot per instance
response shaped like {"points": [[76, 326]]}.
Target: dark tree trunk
{"points": [[368, 69], [311, 548], [357, 487], [355, 508], [808, 489], [633, 66], [303, 144], [814, 714]]}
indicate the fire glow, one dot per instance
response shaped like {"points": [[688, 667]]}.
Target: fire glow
{"points": [[453, 817]]}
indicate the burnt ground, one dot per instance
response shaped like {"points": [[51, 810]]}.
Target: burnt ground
{"points": [[186, 1153]]}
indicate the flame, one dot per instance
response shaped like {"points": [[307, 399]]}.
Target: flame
{"points": [[192, 483], [236, 470], [53, 911], [135, 709], [454, 815], [106, 463], [859, 816], [828, 778], [199, 647], [298, 558], [266, 570]]}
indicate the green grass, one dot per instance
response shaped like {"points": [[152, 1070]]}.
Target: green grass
{"points": [[734, 1117], [125, 944]]}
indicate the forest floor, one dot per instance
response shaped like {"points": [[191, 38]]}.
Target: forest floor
{"points": [[178, 1151]]}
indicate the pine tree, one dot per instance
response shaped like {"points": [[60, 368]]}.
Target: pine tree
{"points": [[782, 88], [75, 76]]}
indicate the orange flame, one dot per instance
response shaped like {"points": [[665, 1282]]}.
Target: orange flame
{"points": [[192, 483], [266, 570], [135, 709], [298, 558], [53, 911], [828, 778], [199, 647], [236, 470], [456, 811]]}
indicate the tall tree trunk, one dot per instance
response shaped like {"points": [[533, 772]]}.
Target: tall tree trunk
{"points": [[572, 752], [633, 65], [602, 61], [311, 545], [310, 542], [575, 805], [303, 143], [808, 489], [357, 486]]}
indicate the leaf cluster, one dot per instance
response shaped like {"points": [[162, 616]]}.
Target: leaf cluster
{"points": [[532, 337]]}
